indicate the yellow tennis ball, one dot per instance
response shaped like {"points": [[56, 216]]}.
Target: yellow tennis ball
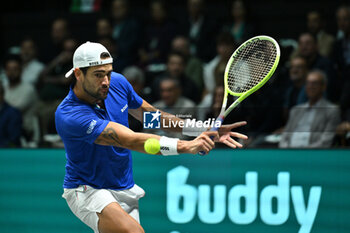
{"points": [[152, 146]]}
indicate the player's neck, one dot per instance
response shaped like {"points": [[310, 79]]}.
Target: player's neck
{"points": [[83, 96]]}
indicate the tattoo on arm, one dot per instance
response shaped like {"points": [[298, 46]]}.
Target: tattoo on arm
{"points": [[109, 137]]}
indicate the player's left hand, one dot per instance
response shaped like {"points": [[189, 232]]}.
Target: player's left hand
{"points": [[226, 135]]}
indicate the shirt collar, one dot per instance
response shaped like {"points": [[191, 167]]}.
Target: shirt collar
{"points": [[72, 95]]}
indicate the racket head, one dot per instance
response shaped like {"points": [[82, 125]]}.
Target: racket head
{"points": [[251, 66]]}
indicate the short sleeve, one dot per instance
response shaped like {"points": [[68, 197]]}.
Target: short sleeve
{"points": [[80, 125], [124, 89], [134, 100]]}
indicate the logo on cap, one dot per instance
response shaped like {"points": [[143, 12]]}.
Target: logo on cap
{"points": [[95, 63]]}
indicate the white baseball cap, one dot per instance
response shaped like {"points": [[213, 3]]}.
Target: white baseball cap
{"points": [[89, 54]]}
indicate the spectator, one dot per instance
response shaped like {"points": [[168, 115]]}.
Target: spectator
{"points": [[342, 56], [31, 66], [342, 137], [267, 109], [174, 103], [103, 28], [200, 29], [214, 70], [176, 69], [125, 33], [312, 124], [342, 46], [136, 78], [59, 33], [53, 86], [343, 20], [239, 27], [157, 36], [308, 49], [22, 96], [10, 123], [315, 25], [295, 93], [194, 66], [264, 112], [216, 104], [109, 43]]}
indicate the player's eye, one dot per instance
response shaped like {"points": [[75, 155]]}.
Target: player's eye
{"points": [[99, 75]]}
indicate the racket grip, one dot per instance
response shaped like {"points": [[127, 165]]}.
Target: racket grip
{"points": [[215, 128]]}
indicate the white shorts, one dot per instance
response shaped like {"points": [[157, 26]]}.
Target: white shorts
{"points": [[85, 202]]}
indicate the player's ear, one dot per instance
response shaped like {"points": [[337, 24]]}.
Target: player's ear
{"points": [[78, 74]]}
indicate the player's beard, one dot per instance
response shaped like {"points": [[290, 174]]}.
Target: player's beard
{"points": [[96, 94]]}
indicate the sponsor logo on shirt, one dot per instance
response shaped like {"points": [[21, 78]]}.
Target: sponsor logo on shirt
{"points": [[91, 127], [124, 108]]}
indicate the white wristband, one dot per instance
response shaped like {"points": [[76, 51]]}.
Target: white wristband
{"points": [[190, 128], [168, 146]]}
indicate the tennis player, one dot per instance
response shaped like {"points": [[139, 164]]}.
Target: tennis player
{"points": [[93, 123]]}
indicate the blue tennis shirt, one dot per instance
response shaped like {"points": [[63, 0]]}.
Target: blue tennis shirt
{"points": [[79, 124]]}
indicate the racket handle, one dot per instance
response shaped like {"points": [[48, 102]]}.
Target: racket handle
{"points": [[221, 120]]}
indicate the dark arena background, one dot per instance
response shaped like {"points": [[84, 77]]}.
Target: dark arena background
{"points": [[292, 174]]}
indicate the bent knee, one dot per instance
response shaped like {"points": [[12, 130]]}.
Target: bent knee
{"points": [[113, 219]]}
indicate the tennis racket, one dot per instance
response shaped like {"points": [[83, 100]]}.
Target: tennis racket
{"points": [[249, 68]]}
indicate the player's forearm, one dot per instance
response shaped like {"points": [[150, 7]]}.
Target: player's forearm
{"points": [[115, 134], [118, 135], [137, 141]]}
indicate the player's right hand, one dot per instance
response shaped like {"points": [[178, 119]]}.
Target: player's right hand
{"points": [[202, 143]]}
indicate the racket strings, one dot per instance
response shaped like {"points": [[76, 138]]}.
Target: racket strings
{"points": [[251, 65]]}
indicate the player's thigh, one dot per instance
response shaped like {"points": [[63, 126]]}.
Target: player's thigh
{"points": [[113, 219]]}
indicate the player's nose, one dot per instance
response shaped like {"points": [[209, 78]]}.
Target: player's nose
{"points": [[105, 80]]}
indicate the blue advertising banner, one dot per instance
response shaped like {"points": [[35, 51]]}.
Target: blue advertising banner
{"points": [[227, 191]]}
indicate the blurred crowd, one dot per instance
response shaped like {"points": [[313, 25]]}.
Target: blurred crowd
{"points": [[178, 65]]}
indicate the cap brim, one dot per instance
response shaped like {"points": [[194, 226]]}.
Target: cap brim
{"points": [[69, 73]]}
